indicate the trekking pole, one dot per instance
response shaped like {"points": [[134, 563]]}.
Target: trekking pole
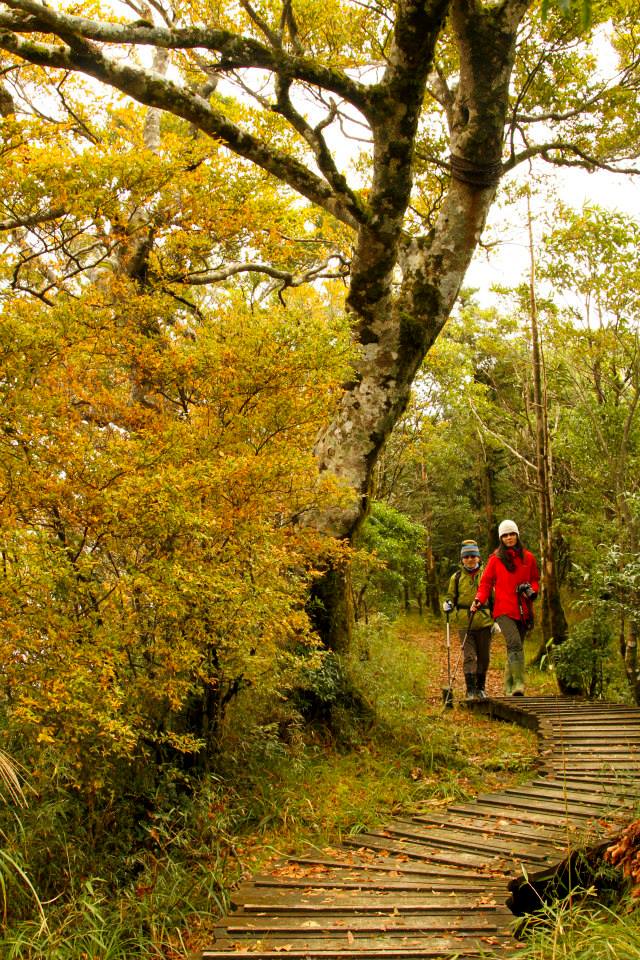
{"points": [[464, 640], [447, 693]]}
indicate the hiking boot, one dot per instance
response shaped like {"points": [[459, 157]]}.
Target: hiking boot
{"points": [[517, 675], [472, 692], [480, 681], [508, 679]]}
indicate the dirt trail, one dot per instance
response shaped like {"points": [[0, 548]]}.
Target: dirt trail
{"points": [[433, 640]]}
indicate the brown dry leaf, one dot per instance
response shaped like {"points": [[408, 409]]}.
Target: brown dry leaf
{"points": [[350, 937]]}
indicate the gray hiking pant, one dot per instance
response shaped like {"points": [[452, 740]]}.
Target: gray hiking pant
{"points": [[513, 632]]}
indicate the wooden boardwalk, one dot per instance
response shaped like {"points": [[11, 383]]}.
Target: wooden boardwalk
{"points": [[440, 885]]}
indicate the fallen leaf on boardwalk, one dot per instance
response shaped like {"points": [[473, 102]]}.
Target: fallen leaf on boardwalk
{"points": [[350, 937]]}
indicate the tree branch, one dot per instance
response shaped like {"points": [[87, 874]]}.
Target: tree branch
{"points": [[313, 136], [14, 223], [585, 160], [236, 50], [154, 90], [496, 436], [288, 278]]}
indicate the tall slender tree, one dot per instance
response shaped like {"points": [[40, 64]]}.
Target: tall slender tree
{"points": [[554, 621]]}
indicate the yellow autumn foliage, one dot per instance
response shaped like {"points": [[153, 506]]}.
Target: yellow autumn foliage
{"points": [[152, 465]]}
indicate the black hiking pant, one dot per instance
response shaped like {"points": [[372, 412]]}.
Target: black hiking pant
{"points": [[476, 650]]}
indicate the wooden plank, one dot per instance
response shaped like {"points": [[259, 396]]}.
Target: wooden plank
{"points": [[479, 828], [600, 735], [596, 768], [346, 903], [388, 864], [572, 810], [458, 840], [366, 884], [388, 923], [515, 814], [432, 853], [600, 749], [563, 793], [351, 944], [375, 881], [624, 787], [413, 949]]}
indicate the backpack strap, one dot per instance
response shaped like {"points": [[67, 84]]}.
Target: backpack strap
{"points": [[456, 590]]}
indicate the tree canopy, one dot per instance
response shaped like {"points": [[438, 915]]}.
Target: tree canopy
{"points": [[393, 125]]}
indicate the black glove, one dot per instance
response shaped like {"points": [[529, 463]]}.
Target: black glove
{"points": [[527, 590]]}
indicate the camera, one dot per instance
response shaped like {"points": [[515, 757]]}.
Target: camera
{"points": [[527, 590]]}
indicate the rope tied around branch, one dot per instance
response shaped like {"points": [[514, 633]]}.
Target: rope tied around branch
{"points": [[483, 175]]}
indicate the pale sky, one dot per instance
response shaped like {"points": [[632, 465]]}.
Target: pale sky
{"points": [[508, 263]]}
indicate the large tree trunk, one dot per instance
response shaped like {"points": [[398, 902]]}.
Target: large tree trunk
{"points": [[331, 608], [395, 332]]}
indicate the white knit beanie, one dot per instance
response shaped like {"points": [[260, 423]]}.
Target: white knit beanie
{"points": [[507, 526]]}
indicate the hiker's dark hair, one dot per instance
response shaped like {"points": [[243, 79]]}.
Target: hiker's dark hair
{"points": [[502, 553]]}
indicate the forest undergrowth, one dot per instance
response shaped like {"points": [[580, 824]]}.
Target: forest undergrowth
{"points": [[151, 884]]}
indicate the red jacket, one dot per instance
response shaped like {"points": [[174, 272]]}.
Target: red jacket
{"points": [[503, 583]]}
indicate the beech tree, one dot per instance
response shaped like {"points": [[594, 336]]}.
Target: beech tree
{"points": [[445, 96]]}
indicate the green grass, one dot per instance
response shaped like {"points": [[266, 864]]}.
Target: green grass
{"points": [[577, 927]]}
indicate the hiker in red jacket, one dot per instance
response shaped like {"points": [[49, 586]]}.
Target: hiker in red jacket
{"points": [[511, 574]]}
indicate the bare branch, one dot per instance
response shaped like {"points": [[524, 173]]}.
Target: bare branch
{"points": [[287, 277], [438, 87], [313, 137], [15, 223], [584, 160], [497, 436]]}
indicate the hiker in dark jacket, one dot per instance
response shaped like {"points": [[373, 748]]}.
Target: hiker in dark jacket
{"points": [[461, 592], [512, 575]]}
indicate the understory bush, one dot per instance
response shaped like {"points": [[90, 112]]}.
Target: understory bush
{"points": [[584, 663]]}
